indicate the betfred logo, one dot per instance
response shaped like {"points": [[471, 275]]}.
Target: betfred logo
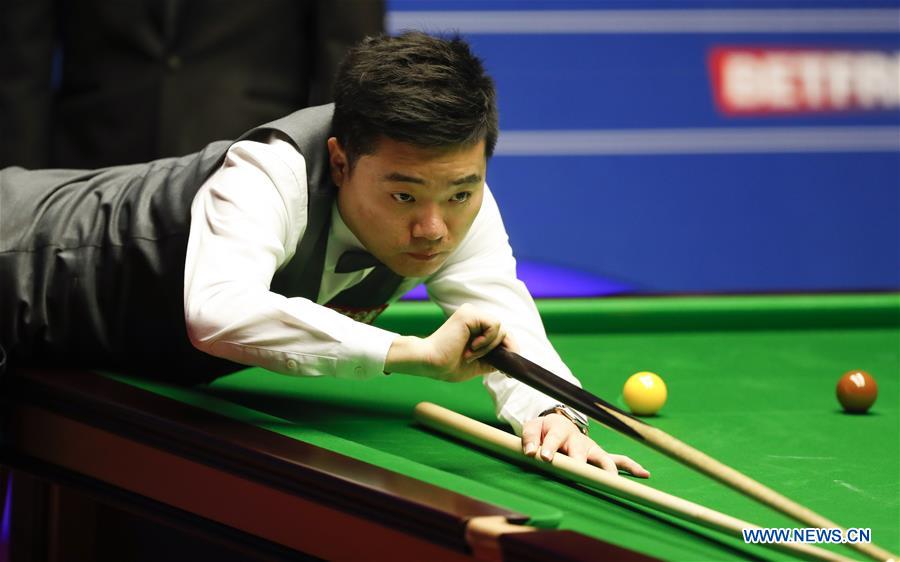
{"points": [[770, 80]]}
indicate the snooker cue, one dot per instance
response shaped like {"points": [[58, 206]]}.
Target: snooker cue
{"points": [[498, 441], [602, 411]]}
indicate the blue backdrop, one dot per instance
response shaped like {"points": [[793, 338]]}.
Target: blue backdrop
{"points": [[615, 158]]}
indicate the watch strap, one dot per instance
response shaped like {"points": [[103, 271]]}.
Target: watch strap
{"points": [[579, 419]]}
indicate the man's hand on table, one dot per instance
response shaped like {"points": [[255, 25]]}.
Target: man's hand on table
{"points": [[453, 352], [544, 436]]}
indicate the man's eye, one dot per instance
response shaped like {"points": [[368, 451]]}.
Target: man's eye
{"points": [[461, 197], [402, 197]]}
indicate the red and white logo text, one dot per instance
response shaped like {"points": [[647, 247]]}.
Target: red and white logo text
{"points": [[798, 80]]}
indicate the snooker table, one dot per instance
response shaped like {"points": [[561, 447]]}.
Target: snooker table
{"points": [[262, 466]]}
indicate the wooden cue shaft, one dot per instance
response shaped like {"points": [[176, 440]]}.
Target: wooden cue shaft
{"points": [[498, 441], [545, 381]]}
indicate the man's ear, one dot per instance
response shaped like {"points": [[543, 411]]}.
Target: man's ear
{"points": [[337, 160]]}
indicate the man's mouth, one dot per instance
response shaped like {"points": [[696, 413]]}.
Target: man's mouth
{"points": [[423, 256]]}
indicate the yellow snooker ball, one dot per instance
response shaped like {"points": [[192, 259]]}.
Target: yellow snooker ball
{"points": [[645, 393]]}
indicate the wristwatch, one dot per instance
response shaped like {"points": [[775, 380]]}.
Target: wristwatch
{"points": [[579, 419]]}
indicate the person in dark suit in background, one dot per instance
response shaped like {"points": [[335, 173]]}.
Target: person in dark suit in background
{"points": [[140, 80]]}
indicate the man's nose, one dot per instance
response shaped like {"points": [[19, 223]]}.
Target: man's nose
{"points": [[430, 225]]}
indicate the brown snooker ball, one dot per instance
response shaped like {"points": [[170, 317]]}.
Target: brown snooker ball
{"points": [[857, 391]]}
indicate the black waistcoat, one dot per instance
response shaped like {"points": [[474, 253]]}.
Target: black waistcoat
{"points": [[92, 262]]}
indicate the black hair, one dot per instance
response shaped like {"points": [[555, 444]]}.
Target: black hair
{"points": [[413, 88]]}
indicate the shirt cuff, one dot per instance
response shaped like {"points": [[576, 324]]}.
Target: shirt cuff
{"points": [[366, 356], [518, 403]]}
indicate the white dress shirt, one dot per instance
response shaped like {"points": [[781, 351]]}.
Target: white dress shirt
{"points": [[246, 222]]}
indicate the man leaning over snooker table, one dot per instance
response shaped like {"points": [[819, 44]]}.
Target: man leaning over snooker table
{"points": [[279, 249]]}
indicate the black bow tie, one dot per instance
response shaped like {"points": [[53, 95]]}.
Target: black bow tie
{"points": [[355, 260]]}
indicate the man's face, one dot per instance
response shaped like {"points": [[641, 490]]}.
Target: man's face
{"points": [[410, 206]]}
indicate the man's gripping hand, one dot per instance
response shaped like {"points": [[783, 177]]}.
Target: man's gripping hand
{"points": [[544, 436], [453, 352]]}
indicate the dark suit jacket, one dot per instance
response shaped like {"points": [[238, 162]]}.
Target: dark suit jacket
{"points": [[145, 79]]}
